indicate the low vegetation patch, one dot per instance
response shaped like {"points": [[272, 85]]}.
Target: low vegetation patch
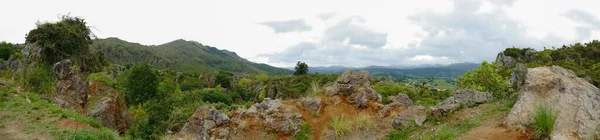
{"points": [[340, 126], [544, 118], [305, 132], [364, 122]]}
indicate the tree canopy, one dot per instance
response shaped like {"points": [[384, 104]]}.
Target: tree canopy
{"points": [[142, 84], [301, 68]]}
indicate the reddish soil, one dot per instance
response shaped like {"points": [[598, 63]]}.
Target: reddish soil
{"points": [[72, 124]]}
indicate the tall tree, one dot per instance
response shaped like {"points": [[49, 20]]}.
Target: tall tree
{"points": [[6, 50], [301, 68], [142, 84]]}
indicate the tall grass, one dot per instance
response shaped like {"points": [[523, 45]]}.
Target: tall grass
{"points": [[364, 122], [340, 126], [305, 132], [544, 119], [315, 89]]}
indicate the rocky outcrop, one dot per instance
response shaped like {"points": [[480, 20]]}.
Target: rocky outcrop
{"points": [[414, 115], [517, 77], [402, 99], [355, 85], [467, 97], [72, 92], [398, 101], [506, 61], [275, 116], [108, 107], [574, 99], [206, 123], [312, 104]]}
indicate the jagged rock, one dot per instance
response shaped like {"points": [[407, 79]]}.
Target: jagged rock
{"points": [[277, 117], [467, 97], [414, 115], [506, 61], [529, 53], [72, 91], [201, 123], [403, 99], [108, 107], [357, 86], [32, 53], [12, 63], [518, 75], [312, 104], [575, 101], [2, 65]]}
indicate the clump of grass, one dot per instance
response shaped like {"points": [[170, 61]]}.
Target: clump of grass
{"points": [[305, 132], [340, 126], [84, 134], [243, 125], [544, 118], [364, 122], [315, 89]]}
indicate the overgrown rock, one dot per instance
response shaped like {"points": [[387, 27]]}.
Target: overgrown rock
{"points": [[506, 61], [403, 99], [355, 85], [206, 123], [414, 115], [575, 101], [518, 75], [467, 97], [398, 101], [72, 92]]}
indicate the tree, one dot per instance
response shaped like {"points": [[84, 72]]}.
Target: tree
{"points": [[486, 78], [142, 84], [301, 68], [224, 79], [60, 40], [6, 50], [262, 78]]}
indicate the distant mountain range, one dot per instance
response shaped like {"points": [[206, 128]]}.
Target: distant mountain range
{"points": [[180, 55], [399, 73]]}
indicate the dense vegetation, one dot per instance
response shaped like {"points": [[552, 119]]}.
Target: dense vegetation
{"points": [[180, 55], [6, 49]]}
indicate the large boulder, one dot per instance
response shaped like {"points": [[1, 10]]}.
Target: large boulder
{"points": [[206, 123], [275, 116], [414, 115], [355, 85], [467, 97], [108, 107], [575, 101], [72, 92]]}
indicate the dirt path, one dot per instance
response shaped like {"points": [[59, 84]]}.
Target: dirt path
{"points": [[492, 129]]}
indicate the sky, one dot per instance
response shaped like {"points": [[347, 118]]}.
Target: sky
{"points": [[326, 33]]}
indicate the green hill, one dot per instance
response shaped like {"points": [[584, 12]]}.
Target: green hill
{"points": [[180, 55]]}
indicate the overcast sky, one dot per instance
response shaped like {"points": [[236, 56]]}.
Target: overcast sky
{"points": [[324, 33]]}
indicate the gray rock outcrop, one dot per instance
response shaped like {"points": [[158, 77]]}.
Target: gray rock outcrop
{"points": [[312, 104], [517, 77], [355, 85], [505, 60], [414, 115], [206, 123], [72, 91], [467, 97], [575, 101], [276, 117]]}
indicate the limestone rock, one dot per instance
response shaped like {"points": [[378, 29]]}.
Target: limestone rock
{"points": [[414, 115], [276, 117], [518, 75], [355, 85], [312, 104], [574, 99], [403, 99], [506, 61], [201, 123], [467, 97], [72, 91]]}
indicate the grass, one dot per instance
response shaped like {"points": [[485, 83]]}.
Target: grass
{"points": [[364, 122], [243, 125], [84, 134], [305, 132], [544, 118], [340, 126]]}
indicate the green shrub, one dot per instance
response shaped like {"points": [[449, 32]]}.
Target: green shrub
{"points": [[543, 121], [212, 96], [390, 88], [235, 97], [340, 126], [142, 84], [486, 78], [6, 50], [262, 94], [192, 84], [103, 78], [305, 132], [84, 134], [39, 80]]}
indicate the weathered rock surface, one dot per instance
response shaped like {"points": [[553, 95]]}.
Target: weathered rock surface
{"points": [[312, 104], [108, 107], [72, 91], [462, 96], [206, 123], [414, 115], [574, 99], [398, 101], [402, 99], [355, 85], [517, 77], [275, 116], [506, 61]]}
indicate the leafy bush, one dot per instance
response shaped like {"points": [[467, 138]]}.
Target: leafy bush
{"points": [[486, 78], [103, 78], [190, 83], [212, 96], [390, 88], [263, 93], [340, 126], [39, 79], [6, 50], [70, 36], [224, 79], [142, 84], [305, 132], [543, 121], [262, 78]]}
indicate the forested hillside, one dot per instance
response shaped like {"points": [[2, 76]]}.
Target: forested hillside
{"points": [[180, 55], [448, 72]]}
